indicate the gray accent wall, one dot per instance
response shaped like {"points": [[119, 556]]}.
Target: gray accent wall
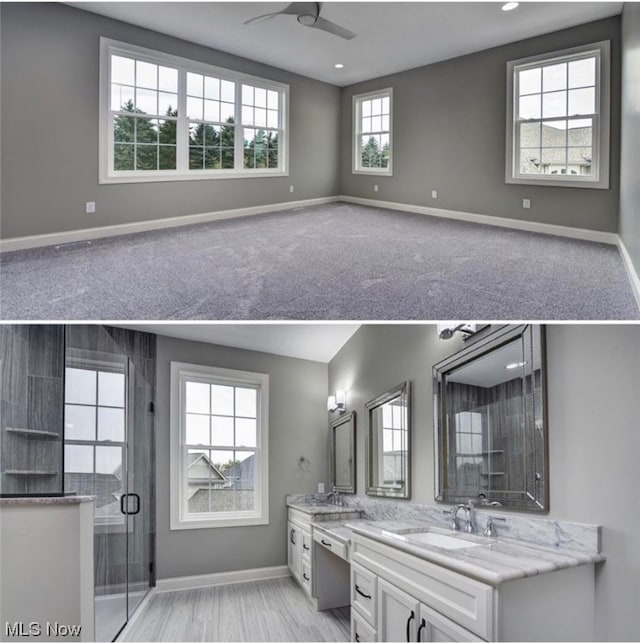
{"points": [[449, 135], [297, 427], [593, 409], [50, 76], [630, 150]]}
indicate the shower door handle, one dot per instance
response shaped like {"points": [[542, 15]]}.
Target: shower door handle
{"points": [[124, 498]]}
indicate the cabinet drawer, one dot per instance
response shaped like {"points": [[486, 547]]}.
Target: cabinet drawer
{"points": [[305, 576], [306, 545], [333, 545], [364, 587], [361, 631]]}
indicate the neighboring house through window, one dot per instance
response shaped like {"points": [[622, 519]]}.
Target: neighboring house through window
{"points": [[219, 447], [372, 141], [167, 118], [558, 118]]}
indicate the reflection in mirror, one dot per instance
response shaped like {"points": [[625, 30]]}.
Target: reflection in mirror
{"points": [[343, 451], [490, 417], [389, 439]]}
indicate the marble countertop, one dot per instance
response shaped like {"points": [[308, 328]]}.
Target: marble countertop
{"points": [[321, 509], [493, 561], [46, 500]]}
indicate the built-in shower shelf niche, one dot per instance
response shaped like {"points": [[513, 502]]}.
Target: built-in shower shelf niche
{"points": [[34, 434], [32, 472]]}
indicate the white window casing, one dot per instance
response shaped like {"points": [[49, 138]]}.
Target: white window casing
{"points": [[107, 173], [180, 518], [593, 172], [362, 129]]}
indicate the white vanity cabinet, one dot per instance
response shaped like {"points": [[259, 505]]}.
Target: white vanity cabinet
{"points": [[398, 596], [299, 549]]}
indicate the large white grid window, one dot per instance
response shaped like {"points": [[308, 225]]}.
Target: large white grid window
{"points": [[558, 118], [167, 118], [372, 123], [219, 452]]}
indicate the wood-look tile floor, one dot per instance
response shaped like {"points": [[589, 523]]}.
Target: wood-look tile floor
{"points": [[271, 610]]}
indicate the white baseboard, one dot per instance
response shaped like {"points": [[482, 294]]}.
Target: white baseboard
{"points": [[124, 634], [87, 234], [221, 578], [517, 224], [634, 278]]}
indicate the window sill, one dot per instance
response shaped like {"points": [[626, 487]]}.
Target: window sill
{"points": [[212, 523], [558, 183], [373, 172], [164, 178]]}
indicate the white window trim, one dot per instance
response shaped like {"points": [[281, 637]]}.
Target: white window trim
{"points": [[600, 177], [105, 162], [356, 103], [180, 372]]}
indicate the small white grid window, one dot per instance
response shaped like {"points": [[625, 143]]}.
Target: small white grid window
{"points": [[372, 152], [558, 125], [219, 454]]}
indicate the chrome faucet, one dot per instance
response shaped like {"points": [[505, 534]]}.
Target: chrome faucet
{"points": [[334, 497], [490, 529], [468, 511]]}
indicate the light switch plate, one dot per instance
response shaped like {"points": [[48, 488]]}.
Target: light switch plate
{"points": [[320, 487]]}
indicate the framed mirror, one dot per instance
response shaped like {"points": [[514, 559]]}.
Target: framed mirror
{"points": [[490, 419], [388, 471], [343, 453]]}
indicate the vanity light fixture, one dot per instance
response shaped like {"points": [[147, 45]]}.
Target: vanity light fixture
{"points": [[515, 365], [449, 329], [510, 6], [337, 402]]}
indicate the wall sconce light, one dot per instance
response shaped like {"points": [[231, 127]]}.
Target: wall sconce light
{"points": [[448, 330], [337, 402]]}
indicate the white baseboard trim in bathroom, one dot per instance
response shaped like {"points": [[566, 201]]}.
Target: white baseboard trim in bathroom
{"points": [[634, 278], [124, 634], [517, 224], [87, 234], [221, 578]]}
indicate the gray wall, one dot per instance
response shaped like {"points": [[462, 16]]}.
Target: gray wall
{"points": [[449, 135], [49, 115], [593, 375], [297, 427], [629, 173]]}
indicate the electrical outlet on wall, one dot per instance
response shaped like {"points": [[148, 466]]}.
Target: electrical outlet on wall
{"points": [[291, 188], [90, 207], [434, 194], [320, 487], [526, 203], [375, 187]]}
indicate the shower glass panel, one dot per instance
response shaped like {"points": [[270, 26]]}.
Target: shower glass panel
{"points": [[109, 454]]}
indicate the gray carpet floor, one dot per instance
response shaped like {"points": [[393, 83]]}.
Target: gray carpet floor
{"points": [[337, 261]]}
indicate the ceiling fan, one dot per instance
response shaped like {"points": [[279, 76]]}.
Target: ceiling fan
{"points": [[308, 15]]}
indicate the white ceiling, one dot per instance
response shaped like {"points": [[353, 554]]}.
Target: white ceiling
{"points": [[317, 342], [392, 36]]}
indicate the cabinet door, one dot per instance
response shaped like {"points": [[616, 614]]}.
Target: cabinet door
{"points": [[293, 550], [397, 613], [433, 626]]}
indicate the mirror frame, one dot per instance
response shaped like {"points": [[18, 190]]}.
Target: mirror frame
{"points": [[345, 418], [482, 346], [372, 405]]}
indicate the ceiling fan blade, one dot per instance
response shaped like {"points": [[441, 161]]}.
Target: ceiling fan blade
{"points": [[332, 27], [289, 9]]}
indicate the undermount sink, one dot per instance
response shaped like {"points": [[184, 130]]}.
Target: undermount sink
{"points": [[440, 540], [425, 536]]}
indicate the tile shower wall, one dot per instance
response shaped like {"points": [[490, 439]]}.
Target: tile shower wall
{"points": [[31, 398]]}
